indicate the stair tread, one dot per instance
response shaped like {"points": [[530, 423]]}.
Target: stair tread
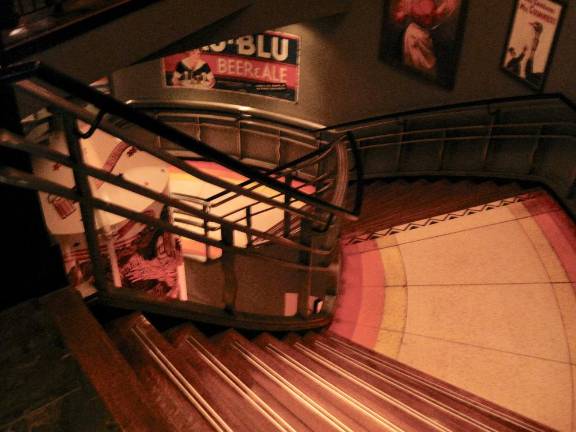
{"points": [[318, 409], [251, 412], [389, 404], [166, 376], [472, 406]]}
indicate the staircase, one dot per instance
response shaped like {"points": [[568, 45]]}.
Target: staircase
{"points": [[133, 377], [392, 202]]}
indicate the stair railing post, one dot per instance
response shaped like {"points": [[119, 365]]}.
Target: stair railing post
{"points": [[306, 233], [230, 282], [535, 152], [249, 239], [488, 144], [287, 215], [86, 208]]}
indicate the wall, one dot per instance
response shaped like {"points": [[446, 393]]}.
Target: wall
{"points": [[342, 78]]}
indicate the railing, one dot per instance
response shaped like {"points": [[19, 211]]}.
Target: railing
{"points": [[528, 138], [324, 170], [31, 26], [28, 7], [282, 147]]}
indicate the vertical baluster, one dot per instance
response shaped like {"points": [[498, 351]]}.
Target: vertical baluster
{"points": [[205, 210], [400, 146], [441, 150], [239, 139], [287, 215], [535, 152], [86, 207], [198, 131], [488, 144], [249, 225], [279, 148], [305, 258], [230, 282]]}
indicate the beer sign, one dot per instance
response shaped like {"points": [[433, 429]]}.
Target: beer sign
{"points": [[265, 64]]}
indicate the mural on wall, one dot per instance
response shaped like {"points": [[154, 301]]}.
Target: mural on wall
{"points": [[265, 64], [423, 37], [135, 256], [533, 33]]}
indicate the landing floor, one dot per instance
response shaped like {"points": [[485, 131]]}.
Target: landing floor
{"points": [[483, 298]]}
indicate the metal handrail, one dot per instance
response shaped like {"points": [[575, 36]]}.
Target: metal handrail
{"points": [[474, 138], [292, 166], [29, 181], [87, 116], [239, 112], [439, 109], [550, 119], [146, 122], [405, 134], [21, 179]]}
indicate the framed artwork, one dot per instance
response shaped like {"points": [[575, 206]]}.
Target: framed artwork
{"points": [[423, 37], [531, 39]]}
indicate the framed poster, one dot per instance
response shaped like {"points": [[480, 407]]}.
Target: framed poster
{"points": [[423, 37], [265, 64], [533, 32]]}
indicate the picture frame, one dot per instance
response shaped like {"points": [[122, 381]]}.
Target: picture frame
{"points": [[532, 36], [424, 37]]}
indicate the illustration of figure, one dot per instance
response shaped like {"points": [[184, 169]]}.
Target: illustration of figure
{"points": [[150, 263], [421, 43], [514, 60], [192, 71], [534, 78]]}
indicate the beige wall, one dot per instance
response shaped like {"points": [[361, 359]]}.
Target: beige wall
{"points": [[343, 79]]}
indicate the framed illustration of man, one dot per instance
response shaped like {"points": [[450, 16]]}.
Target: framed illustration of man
{"points": [[423, 37], [531, 39]]}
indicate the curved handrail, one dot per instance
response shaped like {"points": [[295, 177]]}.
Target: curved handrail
{"points": [[150, 124], [239, 112], [124, 299], [535, 126], [311, 158], [29, 181], [359, 166], [111, 128], [440, 108]]}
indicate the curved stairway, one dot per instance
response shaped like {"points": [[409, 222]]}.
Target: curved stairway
{"points": [[392, 202], [135, 378]]}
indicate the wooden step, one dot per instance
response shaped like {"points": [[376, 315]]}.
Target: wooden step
{"points": [[242, 407], [106, 369], [384, 371], [183, 396], [315, 408], [388, 204], [390, 405], [435, 407]]}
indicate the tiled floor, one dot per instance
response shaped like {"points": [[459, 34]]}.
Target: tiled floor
{"points": [[485, 301]]}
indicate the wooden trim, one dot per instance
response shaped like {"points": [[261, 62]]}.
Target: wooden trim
{"points": [[104, 366]]}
